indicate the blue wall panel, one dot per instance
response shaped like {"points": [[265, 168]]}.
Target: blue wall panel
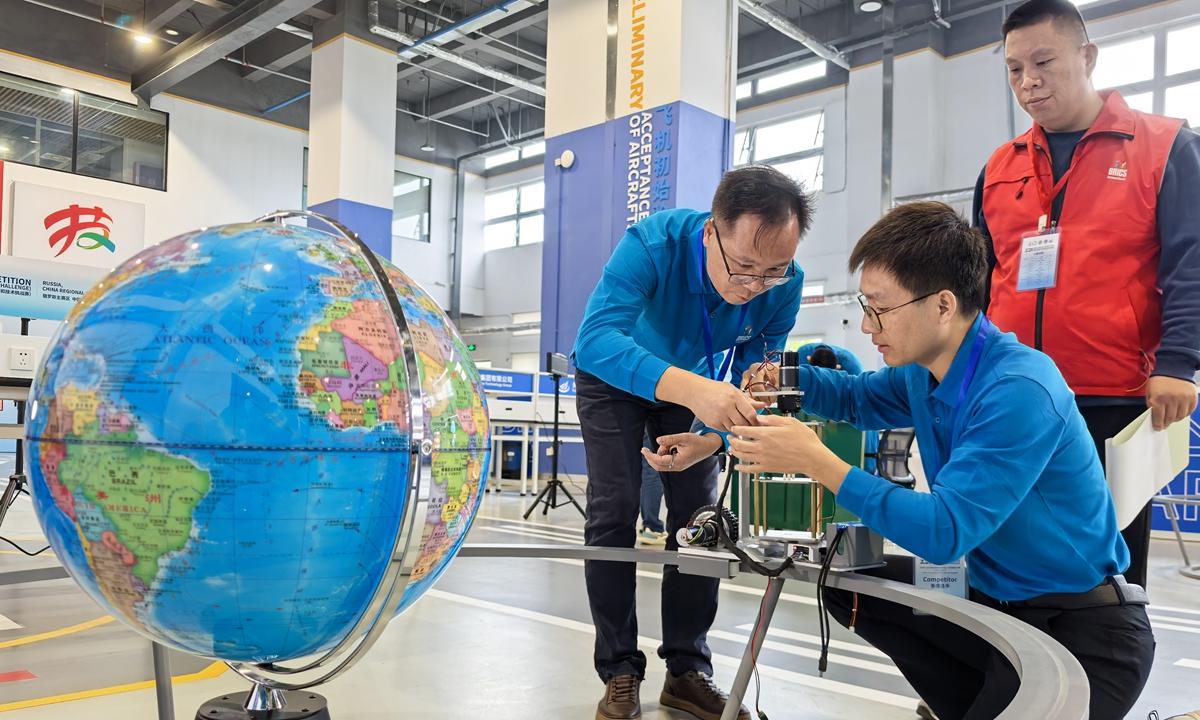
{"points": [[668, 157]]}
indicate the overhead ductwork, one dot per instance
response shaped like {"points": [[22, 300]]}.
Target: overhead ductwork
{"points": [[773, 19], [422, 46]]}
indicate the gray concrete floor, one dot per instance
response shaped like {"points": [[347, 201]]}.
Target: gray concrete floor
{"points": [[512, 639]]}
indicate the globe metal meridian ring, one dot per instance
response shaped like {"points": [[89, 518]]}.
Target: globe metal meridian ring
{"points": [[390, 592]]}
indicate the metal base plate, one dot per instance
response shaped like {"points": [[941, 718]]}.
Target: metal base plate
{"points": [[301, 705]]}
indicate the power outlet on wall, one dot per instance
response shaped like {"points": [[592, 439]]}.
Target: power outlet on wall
{"points": [[20, 359]]}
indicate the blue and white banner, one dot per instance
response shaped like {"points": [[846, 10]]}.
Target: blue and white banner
{"points": [[566, 386], [507, 381], [43, 290]]}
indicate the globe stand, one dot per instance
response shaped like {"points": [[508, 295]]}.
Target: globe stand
{"points": [[263, 703]]}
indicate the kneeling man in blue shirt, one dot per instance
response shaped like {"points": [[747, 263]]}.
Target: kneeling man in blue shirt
{"points": [[1015, 485]]}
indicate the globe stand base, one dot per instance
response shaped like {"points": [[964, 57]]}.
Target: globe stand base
{"points": [[300, 705]]}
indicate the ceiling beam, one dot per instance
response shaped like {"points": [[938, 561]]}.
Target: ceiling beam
{"points": [[160, 12], [507, 26], [461, 100], [274, 52], [234, 29]]}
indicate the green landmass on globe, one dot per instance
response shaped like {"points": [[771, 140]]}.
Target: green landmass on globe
{"points": [[221, 439]]}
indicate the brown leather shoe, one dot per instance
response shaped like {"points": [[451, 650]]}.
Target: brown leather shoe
{"points": [[620, 700], [696, 693]]}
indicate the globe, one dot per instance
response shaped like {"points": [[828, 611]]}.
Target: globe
{"points": [[221, 438]]}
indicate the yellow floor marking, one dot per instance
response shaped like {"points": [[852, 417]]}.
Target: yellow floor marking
{"points": [[58, 633], [207, 673]]}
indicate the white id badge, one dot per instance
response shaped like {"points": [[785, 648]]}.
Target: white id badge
{"points": [[948, 579], [1039, 260]]}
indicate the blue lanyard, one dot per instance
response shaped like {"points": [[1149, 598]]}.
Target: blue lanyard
{"points": [[708, 336], [968, 375]]}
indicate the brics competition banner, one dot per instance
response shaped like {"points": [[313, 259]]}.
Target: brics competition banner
{"points": [[43, 290]]}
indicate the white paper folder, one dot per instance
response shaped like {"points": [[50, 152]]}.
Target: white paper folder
{"points": [[1140, 462]]}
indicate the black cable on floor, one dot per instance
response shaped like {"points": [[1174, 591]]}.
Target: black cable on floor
{"points": [[23, 550]]}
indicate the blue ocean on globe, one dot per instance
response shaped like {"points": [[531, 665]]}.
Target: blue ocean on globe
{"points": [[220, 440]]}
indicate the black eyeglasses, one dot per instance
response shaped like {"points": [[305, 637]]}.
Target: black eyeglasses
{"points": [[746, 279], [874, 324]]}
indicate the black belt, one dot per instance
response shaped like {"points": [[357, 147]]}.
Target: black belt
{"points": [[1113, 591]]}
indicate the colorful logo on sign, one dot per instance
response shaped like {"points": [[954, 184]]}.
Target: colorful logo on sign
{"points": [[1118, 171], [85, 228]]}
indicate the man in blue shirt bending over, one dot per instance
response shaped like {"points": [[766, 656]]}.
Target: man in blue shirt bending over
{"points": [[1016, 487], [682, 289]]}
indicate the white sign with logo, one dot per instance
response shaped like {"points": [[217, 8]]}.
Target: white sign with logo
{"points": [[73, 227]]}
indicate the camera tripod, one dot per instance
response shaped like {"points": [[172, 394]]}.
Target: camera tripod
{"points": [[548, 497]]}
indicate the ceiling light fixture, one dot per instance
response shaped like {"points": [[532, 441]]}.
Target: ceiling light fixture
{"points": [[3, 149], [871, 6], [143, 39], [428, 146], [169, 31]]}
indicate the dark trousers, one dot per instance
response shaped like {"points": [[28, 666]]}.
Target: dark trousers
{"points": [[1103, 422], [962, 677], [613, 423]]}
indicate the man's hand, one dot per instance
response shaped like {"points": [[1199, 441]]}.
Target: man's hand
{"points": [[1170, 400], [786, 445], [720, 406], [691, 449], [769, 374]]}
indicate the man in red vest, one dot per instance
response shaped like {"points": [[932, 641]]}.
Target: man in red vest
{"points": [[1095, 230]]}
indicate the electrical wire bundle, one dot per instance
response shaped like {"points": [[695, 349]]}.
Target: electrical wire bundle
{"points": [[822, 614]]}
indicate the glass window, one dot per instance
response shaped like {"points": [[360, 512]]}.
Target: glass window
{"points": [[500, 204], [808, 171], [533, 197], [500, 235], [1141, 101], [410, 207], [304, 183], [813, 290], [112, 140], [533, 150], [741, 147], [1183, 50], [531, 229], [1124, 63], [744, 90], [503, 158], [35, 123], [1183, 101], [121, 142], [787, 138], [514, 216], [798, 74]]}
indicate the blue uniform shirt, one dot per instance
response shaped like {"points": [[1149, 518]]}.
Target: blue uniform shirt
{"points": [[645, 314], [1016, 483]]}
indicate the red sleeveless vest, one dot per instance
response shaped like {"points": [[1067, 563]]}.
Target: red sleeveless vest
{"points": [[1102, 322]]}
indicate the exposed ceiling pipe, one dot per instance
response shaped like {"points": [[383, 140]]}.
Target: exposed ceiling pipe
{"points": [[460, 29], [441, 122], [773, 19], [937, 16], [447, 55], [492, 329], [134, 31]]}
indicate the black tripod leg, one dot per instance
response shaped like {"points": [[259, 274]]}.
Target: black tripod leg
{"points": [[536, 500], [572, 499], [552, 500]]}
